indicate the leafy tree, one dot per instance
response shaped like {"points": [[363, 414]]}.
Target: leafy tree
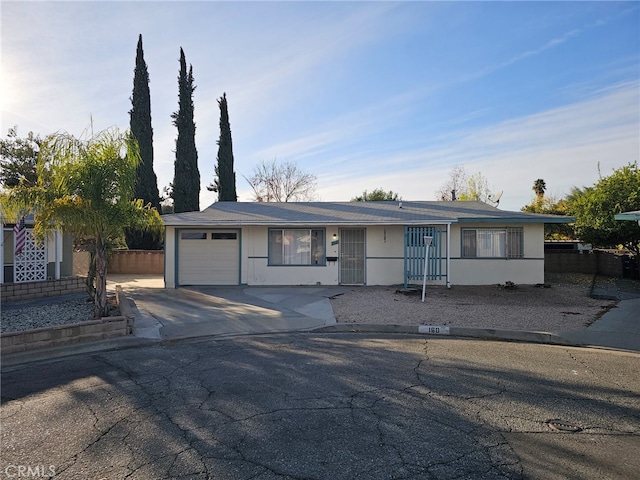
{"points": [[146, 187], [225, 178], [186, 180], [85, 188], [376, 195], [594, 209], [477, 189], [461, 186], [552, 206], [281, 182], [18, 158]]}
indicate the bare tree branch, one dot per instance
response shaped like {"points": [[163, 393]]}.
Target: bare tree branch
{"points": [[281, 182]]}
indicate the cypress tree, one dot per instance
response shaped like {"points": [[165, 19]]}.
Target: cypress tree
{"points": [[146, 186], [186, 179], [226, 177], [146, 182]]}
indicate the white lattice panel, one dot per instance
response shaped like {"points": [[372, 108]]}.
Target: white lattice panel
{"points": [[31, 264]]}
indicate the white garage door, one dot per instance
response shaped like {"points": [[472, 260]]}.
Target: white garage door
{"points": [[208, 257]]}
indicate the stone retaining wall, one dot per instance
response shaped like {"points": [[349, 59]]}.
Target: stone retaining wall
{"points": [[13, 292], [106, 327]]}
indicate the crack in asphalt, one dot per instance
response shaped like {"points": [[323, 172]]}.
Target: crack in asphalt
{"points": [[180, 398]]}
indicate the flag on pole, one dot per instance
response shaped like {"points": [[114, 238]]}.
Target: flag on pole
{"points": [[19, 236]]}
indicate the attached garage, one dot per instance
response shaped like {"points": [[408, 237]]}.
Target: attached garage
{"points": [[208, 257]]}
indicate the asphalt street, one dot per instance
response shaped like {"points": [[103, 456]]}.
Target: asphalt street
{"points": [[325, 406]]}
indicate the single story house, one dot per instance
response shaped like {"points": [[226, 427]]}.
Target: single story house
{"points": [[354, 243], [34, 263]]}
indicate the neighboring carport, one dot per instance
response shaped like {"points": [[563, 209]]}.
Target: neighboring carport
{"points": [[632, 216]]}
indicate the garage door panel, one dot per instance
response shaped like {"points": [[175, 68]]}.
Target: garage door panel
{"points": [[208, 258]]}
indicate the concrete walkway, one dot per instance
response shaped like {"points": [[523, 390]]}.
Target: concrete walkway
{"points": [[619, 328]]}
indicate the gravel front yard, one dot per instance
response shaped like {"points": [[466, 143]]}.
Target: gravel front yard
{"points": [[49, 312], [565, 306]]}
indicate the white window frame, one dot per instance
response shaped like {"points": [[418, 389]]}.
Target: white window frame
{"points": [[297, 247]]}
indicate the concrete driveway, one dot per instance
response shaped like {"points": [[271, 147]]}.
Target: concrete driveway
{"points": [[188, 312]]}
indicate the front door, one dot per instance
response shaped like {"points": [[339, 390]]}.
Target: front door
{"points": [[352, 256]]}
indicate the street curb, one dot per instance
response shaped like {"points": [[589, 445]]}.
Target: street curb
{"points": [[480, 333], [61, 351], [118, 343]]}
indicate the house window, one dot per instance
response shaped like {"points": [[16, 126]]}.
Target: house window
{"points": [[193, 236], [224, 236], [493, 242], [296, 247]]}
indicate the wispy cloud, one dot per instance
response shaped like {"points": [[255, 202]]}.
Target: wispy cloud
{"points": [[554, 42], [563, 145]]}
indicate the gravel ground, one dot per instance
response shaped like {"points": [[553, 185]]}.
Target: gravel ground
{"points": [[48, 312], [564, 306]]}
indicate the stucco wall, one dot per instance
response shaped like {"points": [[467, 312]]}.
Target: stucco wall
{"points": [[384, 259], [526, 271], [493, 271], [256, 271], [385, 255], [170, 257]]}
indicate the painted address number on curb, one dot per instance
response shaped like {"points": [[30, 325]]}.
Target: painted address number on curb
{"points": [[433, 329]]}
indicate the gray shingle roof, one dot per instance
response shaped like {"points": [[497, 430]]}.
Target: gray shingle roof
{"points": [[352, 213]]}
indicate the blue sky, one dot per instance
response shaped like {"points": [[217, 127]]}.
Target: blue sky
{"points": [[361, 94]]}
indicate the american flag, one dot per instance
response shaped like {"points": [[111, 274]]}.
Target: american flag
{"points": [[20, 236]]}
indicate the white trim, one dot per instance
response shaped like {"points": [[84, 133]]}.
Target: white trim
{"points": [[448, 255], [1, 252], [58, 253]]}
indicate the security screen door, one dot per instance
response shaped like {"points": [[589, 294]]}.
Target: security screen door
{"points": [[352, 256]]}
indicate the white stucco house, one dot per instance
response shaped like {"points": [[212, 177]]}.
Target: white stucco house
{"points": [[354, 243]]}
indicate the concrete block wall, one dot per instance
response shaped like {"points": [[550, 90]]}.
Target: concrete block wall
{"points": [[107, 327], [137, 262], [13, 292], [597, 262]]}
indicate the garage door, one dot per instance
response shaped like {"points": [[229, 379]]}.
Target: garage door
{"points": [[208, 257]]}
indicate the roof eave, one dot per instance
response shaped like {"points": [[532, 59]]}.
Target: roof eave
{"points": [[270, 223], [518, 220], [631, 216]]}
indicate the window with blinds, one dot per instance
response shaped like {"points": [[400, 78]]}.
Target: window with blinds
{"points": [[296, 247], [493, 242]]}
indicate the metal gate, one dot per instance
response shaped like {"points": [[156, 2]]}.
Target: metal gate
{"points": [[31, 264], [352, 256], [415, 251]]}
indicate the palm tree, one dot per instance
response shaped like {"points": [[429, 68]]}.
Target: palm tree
{"points": [[85, 187], [539, 187]]}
